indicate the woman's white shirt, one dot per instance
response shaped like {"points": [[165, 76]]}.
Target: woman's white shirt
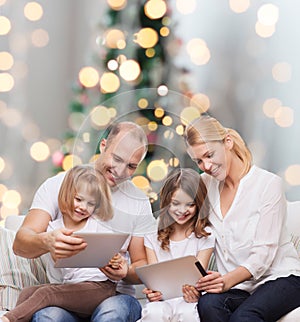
{"points": [[253, 232]]}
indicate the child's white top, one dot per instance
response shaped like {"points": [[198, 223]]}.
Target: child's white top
{"points": [[188, 246]]}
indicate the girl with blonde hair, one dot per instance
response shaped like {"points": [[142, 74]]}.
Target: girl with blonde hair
{"points": [[85, 203]]}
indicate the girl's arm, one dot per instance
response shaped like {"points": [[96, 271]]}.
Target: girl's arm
{"points": [[152, 296]]}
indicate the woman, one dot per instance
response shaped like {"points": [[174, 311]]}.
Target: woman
{"points": [[259, 270]]}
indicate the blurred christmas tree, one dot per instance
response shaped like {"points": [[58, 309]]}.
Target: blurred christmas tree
{"points": [[129, 79]]}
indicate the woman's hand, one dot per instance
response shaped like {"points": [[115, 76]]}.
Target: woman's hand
{"points": [[116, 269], [212, 283], [152, 296], [190, 293]]}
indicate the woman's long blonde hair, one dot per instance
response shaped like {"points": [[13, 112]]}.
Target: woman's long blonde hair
{"points": [[97, 187], [207, 129]]}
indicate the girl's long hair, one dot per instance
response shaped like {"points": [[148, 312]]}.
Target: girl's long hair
{"points": [[191, 183]]}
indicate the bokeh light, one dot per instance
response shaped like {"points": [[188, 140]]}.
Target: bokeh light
{"points": [[130, 70], [268, 14], [239, 6], [284, 116], [292, 175], [70, 161], [109, 82], [201, 101], [6, 82], [40, 38], [33, 11], [88, 76], [198, 51], [117, 4], [282, 72], [100, 116], [270, 106], [188, 114], [6, 60], [264, 31], [11, 199], [115, 38], [155, 9], [146, 37], [157, 170], [39, 151], [141, 182], [5, 25]]}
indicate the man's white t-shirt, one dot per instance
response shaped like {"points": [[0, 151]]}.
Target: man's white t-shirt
{"points": [[132, 211]]}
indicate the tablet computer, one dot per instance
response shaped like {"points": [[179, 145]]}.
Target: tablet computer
{"points": [[101, 247], [169, 276]]}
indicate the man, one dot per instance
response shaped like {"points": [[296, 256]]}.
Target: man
{"points": [[121, 153]]}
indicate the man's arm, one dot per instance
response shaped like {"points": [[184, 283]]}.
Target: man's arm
{"points": [[32, 239]]}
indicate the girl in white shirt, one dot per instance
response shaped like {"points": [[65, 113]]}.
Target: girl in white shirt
{"points": [[85, 203], [259, 269], [183, 229]]}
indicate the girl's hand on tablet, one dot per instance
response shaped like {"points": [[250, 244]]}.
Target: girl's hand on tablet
{"points": [[151, 295], [190, 293]]}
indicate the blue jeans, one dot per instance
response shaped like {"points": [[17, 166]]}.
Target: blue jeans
{"points": [[119, 308], [268, 303]]}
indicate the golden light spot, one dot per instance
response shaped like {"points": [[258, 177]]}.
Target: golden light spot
{"points": [[168, 135], [284, 116], [167, 121], [239, 6], [155, 9], [143, 103], [5, 26], [201, 101], [270, 106], [180, 129], [6, 82], [292, 175], [112, 112], [88, 76], [152, 126], [100, 116], [39, 151], [157, 170], [115, 38], [40, 38], [146, 37], [130, 70], [117, 4], [33, 11], [159, 112], [6, 60], [188, 114], [141, 182], [109, 82], [164, 31], [11, 199], [282, 72], [150, 52], [71, 161]]}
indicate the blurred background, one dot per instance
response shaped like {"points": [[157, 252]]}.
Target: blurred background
{"points": [[70, 68]]}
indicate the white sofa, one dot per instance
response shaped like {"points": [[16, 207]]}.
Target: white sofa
{"points": [[17, 272]]}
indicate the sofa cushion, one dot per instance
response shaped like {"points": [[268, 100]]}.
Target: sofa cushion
{"points": [[16, 272]]}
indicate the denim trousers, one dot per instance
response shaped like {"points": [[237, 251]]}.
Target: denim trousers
{"points": [[268, 303], [118, 308]]}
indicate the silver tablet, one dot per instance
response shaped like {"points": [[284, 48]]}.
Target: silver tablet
{"points": [[101, 247]]}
